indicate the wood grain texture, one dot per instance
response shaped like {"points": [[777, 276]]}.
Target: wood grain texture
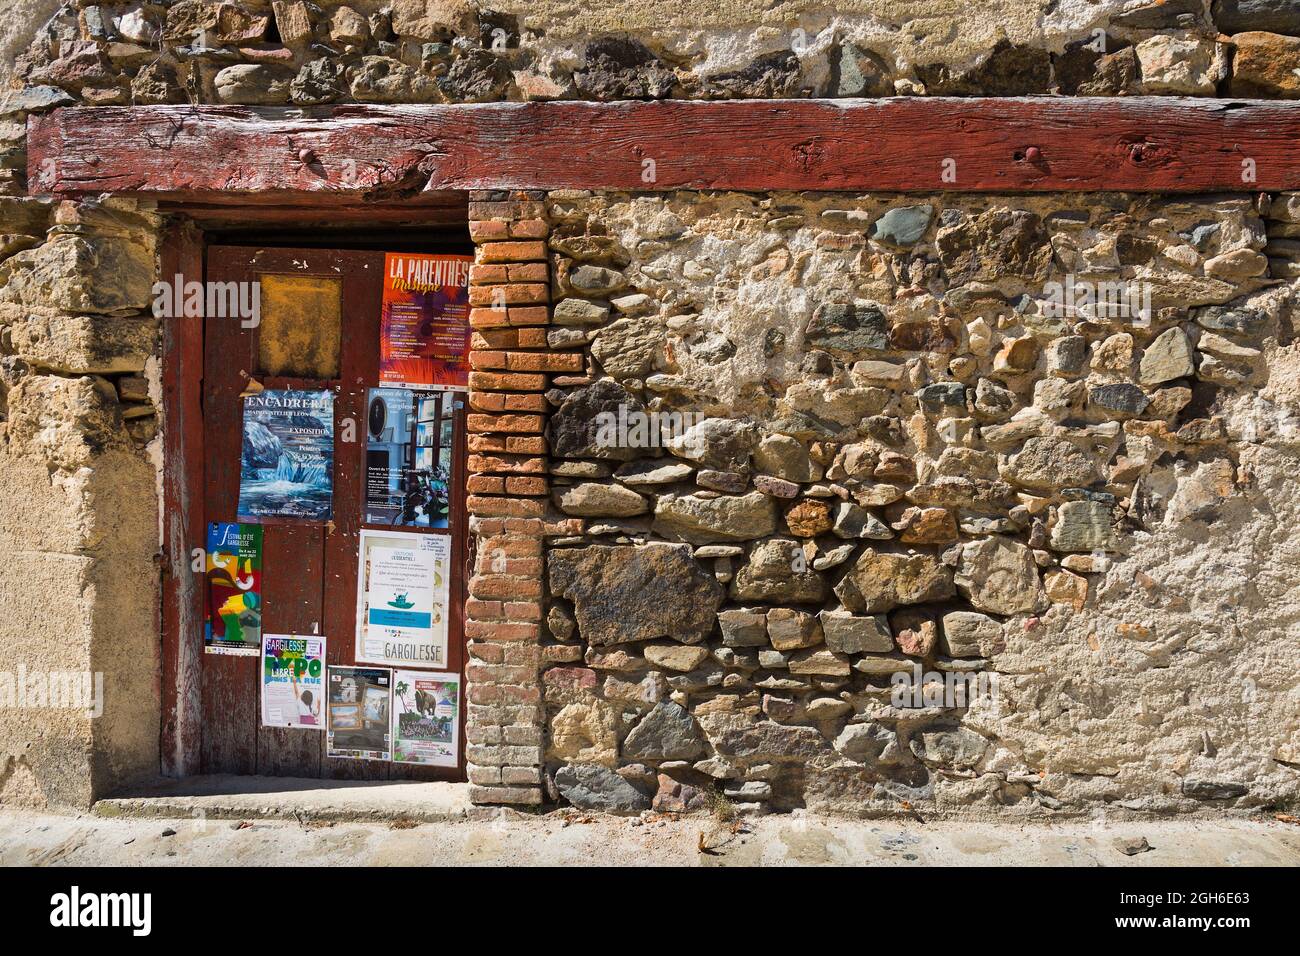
{"points": [[221, 211], [362, 274], [183, 527], [230, 684], [1040, 144], [292, 595]]}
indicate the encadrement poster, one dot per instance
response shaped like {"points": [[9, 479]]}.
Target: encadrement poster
{"points": [[426, 718], [293, 681], [286, 469], [402, 598], [232, 617], [360, 699], [409, 436], [424, 329]]}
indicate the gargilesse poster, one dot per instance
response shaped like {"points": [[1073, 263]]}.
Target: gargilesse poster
{"points": [[402, 598], [286, 467], [426, 718], [293, 681]]}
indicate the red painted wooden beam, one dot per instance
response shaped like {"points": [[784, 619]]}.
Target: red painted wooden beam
{"points": [[1142, 144]]}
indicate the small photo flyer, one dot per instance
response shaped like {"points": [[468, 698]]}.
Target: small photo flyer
{"points": [[409, 435], [359, 703], [403, 598], [233, 590], [424, 330], [286, 467], [426, 718], [293, 681]]}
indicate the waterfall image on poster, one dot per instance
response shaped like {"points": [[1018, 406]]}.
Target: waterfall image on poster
{"points": [[286, 468], [402, 598], [409, 436], [424, 328], [232, 613], [293, 681], [426, 718], [357, 719]]}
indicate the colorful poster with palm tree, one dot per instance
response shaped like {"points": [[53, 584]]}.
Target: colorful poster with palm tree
{"points": [[426, 718], [233, 579], [424, 328]]}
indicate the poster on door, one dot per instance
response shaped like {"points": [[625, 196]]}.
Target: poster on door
{"points": [[232, 613], [424, 328], [402, 598], [293, 681], [426, 718], [409, 435], [286, 467], [359, 703]]}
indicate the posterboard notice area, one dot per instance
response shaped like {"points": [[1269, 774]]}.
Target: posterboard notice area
{"points": [[392, 698]]}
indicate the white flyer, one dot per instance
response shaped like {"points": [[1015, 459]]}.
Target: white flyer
{"points": [[402, 598]]}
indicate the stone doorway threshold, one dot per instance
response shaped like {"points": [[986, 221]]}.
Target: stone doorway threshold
{"points": [[231, 797]]}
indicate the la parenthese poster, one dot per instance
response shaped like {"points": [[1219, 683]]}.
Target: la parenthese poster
{"points": [[293, 681], [426, 718], [286, 467], [233, 589], [409, 436], [424, 329], [359, 704]]}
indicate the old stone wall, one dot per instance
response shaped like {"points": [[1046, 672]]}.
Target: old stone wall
{"points": [[1097, 512], [877, 436], [431, 51], [79, 521]]}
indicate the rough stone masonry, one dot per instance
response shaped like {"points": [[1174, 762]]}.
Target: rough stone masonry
{"points": [[901, 452], [880, 442]]}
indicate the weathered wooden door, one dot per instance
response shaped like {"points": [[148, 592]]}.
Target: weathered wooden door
{"points": [[318, 328]]}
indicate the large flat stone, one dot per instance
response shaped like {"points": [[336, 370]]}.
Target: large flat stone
{"points": [[725, 518], [623, 593], [881, 581], [593, 787], [999, 575], [668, 732]]}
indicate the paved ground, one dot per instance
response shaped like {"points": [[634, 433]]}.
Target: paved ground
{"points": [[315, 823]]}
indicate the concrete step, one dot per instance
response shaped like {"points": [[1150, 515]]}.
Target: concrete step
{"points": [[230, 797]]}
